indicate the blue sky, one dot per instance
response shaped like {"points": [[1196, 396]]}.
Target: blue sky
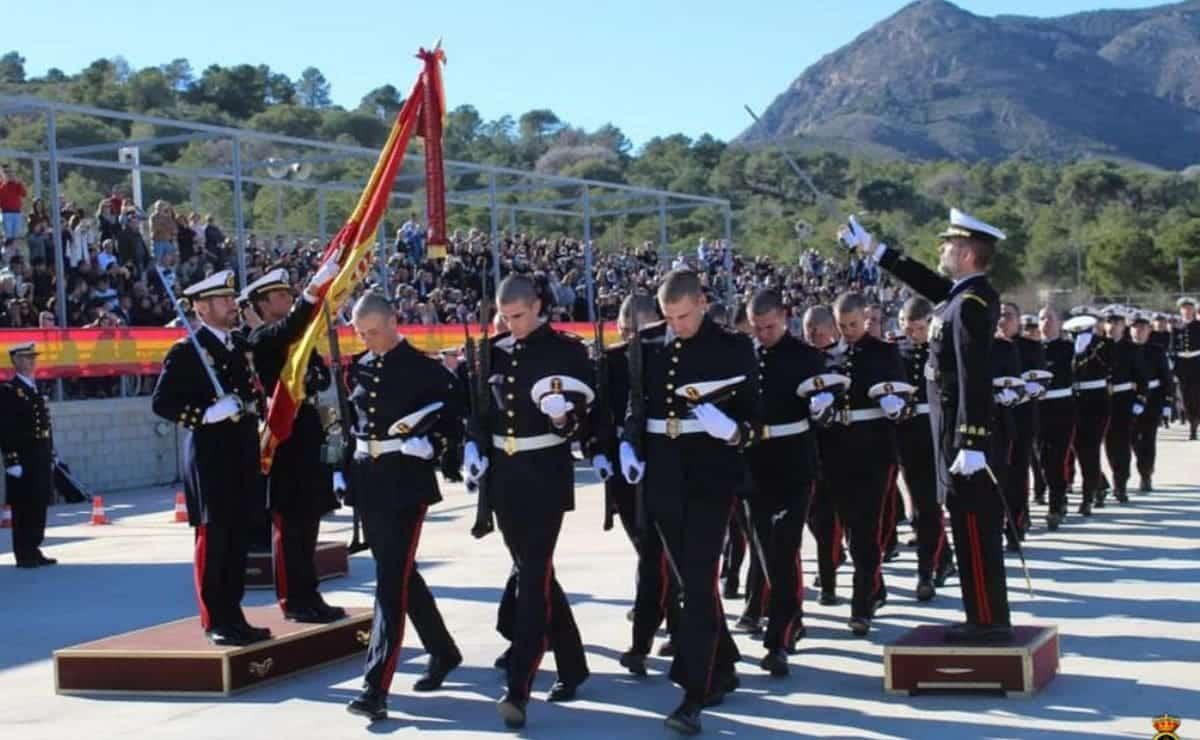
{"points": [[650, 66]]}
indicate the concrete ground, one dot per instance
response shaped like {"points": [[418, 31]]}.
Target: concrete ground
{"points": [[1123, 588]]}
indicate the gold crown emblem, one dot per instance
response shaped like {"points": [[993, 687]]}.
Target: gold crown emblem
{"points": [[1166, 724], [888, 387], [556, 385], [402, 428], [229, 280], [818, 383], [692, 393]]}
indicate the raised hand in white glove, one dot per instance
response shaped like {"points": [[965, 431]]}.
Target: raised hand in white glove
{"points": [[224, 408], [968, 463], [339, 482], [474, 464], [819, 404], [892, 405], [1138, 409], [1006, 397], [602, 466], [419, 447], [715, 422], [16, 471], [632, 469], [1035, 390], [1166, 412], [323, 276], [555, 405], [1082, 340]]}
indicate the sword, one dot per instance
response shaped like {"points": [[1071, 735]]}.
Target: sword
{"points": [[756, 543], [670, 558], [1016, 535], [191, 333]]}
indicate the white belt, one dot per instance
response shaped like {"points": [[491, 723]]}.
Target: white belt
{"points": [[1154, 384], [921, 408], [513, 445], [1091, 385], [374, 448], [1058, 393], [674, 427], [1188, 355], [775, 431], [866, 415], [1122, 387]]}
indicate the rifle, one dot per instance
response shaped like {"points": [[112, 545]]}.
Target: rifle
{"points": [[604, 420], [343, 406], [479, 394]]}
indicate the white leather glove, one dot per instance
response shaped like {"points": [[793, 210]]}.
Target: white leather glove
{"points": [[820, 403], [323, 276], [419, 447], [1035, 390], [474, 464], [602, 466], [968, 463], [715, 422], [339, 482], [892, 405], [853, 235], [632, 469], [1138, 409], [1166, 412], [1006, 397], [224, 408], [1082, 341], [554, 405], [15, 471]]}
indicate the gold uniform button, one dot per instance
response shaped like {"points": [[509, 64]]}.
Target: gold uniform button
{"points": [[511, 379], [671, 413], [510, 396], [674, 359], [374, 394], [678, 344], [670, 386], [671, 372], [514, 363], [510, 413]]}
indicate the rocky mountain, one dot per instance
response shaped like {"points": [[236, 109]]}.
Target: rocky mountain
{"points": [[935, 81]]}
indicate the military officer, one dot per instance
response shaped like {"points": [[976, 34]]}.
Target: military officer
{"points": [[27, 440], [1092, 362], [1127, 380], [1155, 404], [1186, 348], [222, 483], [1056, 415], [960, 407]]}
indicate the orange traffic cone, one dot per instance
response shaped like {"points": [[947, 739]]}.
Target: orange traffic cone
{"points": [[6, 518], [180, 508], [98, 514]]}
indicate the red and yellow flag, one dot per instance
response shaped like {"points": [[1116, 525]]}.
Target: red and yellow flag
{"points": [[353, 249]]}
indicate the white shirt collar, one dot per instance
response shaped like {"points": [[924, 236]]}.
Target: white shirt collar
{"points": [[964, 279], [221, 336], [28, 381]]}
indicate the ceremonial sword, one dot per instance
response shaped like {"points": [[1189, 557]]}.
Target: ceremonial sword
{"points": [[191, 333]]}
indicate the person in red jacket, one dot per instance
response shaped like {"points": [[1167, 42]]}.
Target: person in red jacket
{"points": [[12, 196]]}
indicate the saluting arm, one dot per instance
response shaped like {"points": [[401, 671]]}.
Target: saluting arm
{"points": [[917, 276]]}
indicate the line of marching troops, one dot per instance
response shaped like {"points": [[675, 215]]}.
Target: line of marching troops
{"points": [[701, 432]]}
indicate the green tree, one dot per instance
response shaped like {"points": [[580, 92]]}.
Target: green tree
{"points": [[313, 89], [384, 102], [178, 74], [12, 67], [290, 120]]}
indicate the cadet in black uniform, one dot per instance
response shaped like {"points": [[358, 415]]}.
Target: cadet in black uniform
{"points": [[1092, 360], [299, 484], [1025, 416], [1056, 412], [783, 470], [531, 478], [1127, 381], [222, 482], [935, 562], [960, 408], [1006, 387], [28, 444], [702, 408], [404, 412], [1154, 405], [1185, 346]]}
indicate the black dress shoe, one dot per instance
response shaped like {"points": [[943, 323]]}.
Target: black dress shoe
{"points": [[925, 589], [892, 553], [1014, 545], [231, 637], [944, 571], [330, 613], [685, 719], [1121, 494], [43, 560], [1147, 485], [1052, 522], [435, 673], [561, 691], [1040, 498], [666, 650], [775, 663], [635, 663], [1098, 503], [304, 615], [974, 633], [501, 662], [29, 564], [1085, 505], [860, 626], [253, 634], [512, 711], [369, 704], [748, 624], [829, 598], [630, 615], [731, 589]]}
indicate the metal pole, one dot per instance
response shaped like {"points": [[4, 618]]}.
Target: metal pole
{"points": [[279, 211], [60, 271], [729, 265], [239, 221], [495, 228], [512, 220], [1179, 267], [195, 194], [588, 256], [662, 228], [37, 178], [321, 213]]}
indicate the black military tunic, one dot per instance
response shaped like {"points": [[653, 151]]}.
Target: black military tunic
{"points": [[1185, 346], [221, 469], [960, 410], [1093, 408], [395, 490], [1127, 381], [27, 440], [1056, 418], [1026, 421], [1157, 398]]}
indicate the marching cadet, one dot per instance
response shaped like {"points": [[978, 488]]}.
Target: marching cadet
{"points": [[404, 412], [701, 407], [1007, 387], [1056, 415], [1160, 332], [1127, 381], [1092, 358], [857, 443], [1155, 404], [542, 380], [1186, 348], [960, 408], [935, 563], [1025, 414], [299, 484], [221, 480], [783, 470], [28, 444]]}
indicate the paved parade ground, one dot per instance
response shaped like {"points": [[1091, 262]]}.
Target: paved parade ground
{"points": [[1123, 588]]}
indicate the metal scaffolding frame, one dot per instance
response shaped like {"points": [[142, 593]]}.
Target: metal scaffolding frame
{"points": [[569, 197]]}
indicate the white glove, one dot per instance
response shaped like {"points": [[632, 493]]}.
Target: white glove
{"points": [[1035, 390], [339, 482], [1082, 341], [474, 465], [853, 235], [224, 408], [327, 273], [715, 422], [1166, 412], [1138, 409], [820, 403], [632, 469], [419, 447], [15, 471], [602, 466], [1006, 397], [554, 405], [892, 405], [968, 463]]}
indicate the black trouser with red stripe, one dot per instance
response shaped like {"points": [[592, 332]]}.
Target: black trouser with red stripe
{"points": [[1016, 486], [220, 573], [394, 535], [1189, 391], [294, 547], [1093, 410], [827, 530], [858, 492], [893, 513], [657, 595], [918, 465], [977, 520], [781, 531], [1145, 440], [1117, 444], [734, 553], [1055, 439]]}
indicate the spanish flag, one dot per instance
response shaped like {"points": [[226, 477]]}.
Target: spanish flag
{"points": [[353, 249]]}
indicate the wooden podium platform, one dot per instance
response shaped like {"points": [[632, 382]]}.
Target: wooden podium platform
{"points": [[332, 560], [176, 659], [923, 662]]}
